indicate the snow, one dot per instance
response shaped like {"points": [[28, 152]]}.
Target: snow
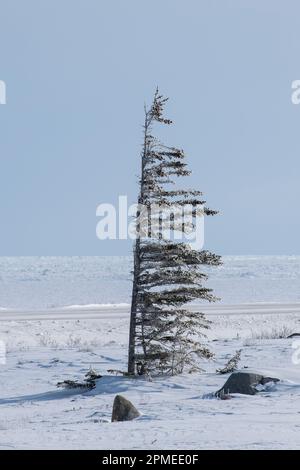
{"points": [[47, 282], [95, 306], [44, 348]]}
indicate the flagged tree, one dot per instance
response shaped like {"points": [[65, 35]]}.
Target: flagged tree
{"points": [[164, 336]]}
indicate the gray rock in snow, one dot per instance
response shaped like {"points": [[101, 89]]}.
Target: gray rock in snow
{"points": [[244, 383], [293, 335], [123, 410]]}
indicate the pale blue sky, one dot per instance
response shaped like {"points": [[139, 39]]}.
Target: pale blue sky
{"points": [[77, 74]]}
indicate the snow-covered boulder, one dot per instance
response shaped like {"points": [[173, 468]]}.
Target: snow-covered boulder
{"points": [[246, 383], [123, 410]]}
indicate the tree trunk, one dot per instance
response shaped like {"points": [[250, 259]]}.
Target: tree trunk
{"points": [[136, 268], [132, 333]]}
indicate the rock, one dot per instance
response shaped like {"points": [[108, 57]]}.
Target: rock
{"points": [[244, 383], [293, 335], [123, 410]]}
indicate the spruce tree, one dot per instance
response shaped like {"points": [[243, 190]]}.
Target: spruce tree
{"points": [[164, 336]]}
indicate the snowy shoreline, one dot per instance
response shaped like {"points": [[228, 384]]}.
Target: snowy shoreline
{"points": [[94, 311]]}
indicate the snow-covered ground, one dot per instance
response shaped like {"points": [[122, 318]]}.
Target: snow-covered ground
{"points": [[44, 348]]}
